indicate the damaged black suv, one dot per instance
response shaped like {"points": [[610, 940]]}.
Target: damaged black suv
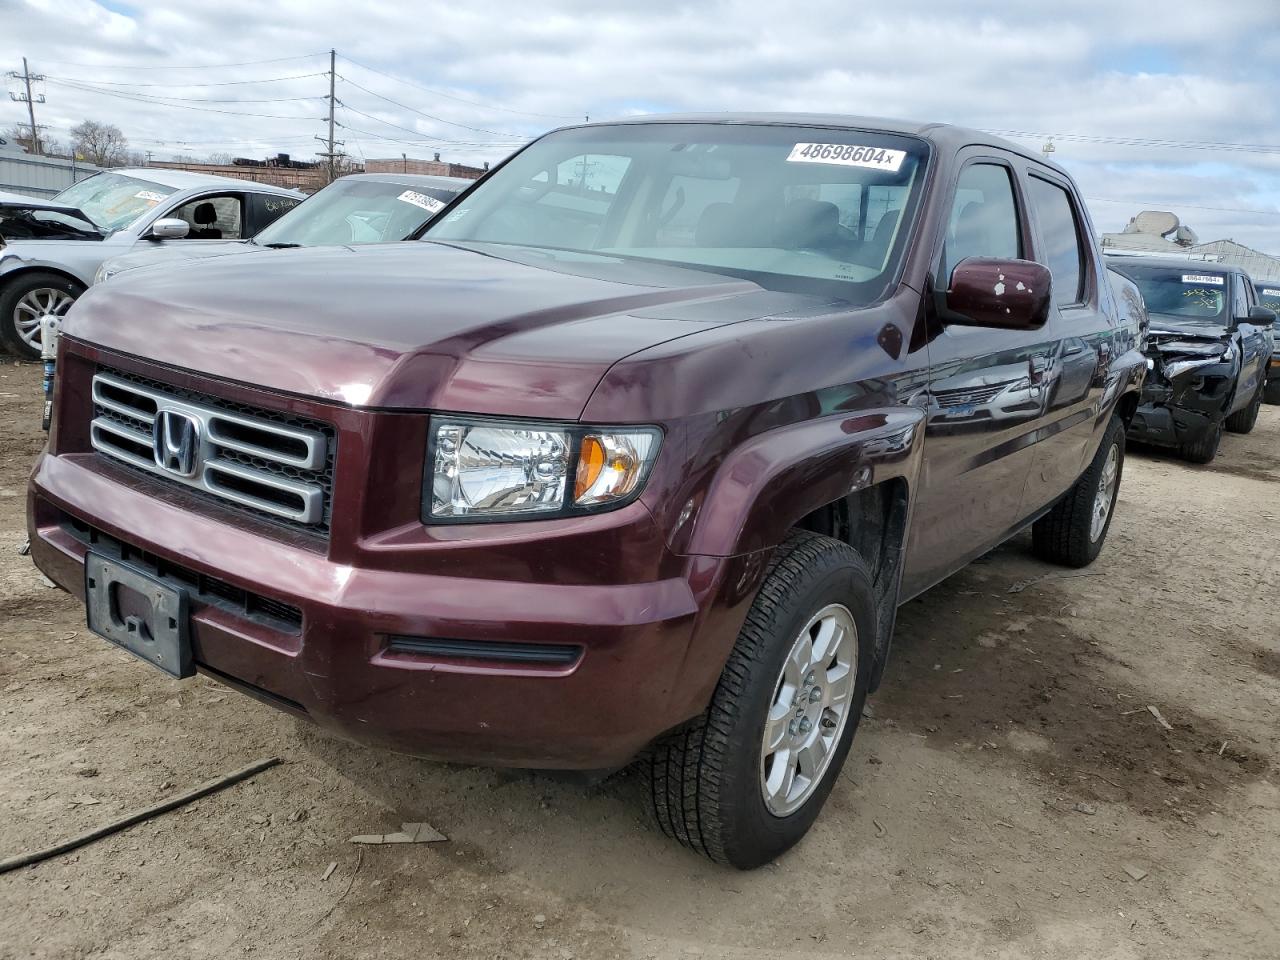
{"points": [[1208, 348]]}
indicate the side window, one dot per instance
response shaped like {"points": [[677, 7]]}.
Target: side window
{"points": [[213, 218], [984, 218], [1060, 234], [1239, 297], [267, 208]]}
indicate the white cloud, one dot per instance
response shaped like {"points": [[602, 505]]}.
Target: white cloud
{"points": [[1185, 71]]}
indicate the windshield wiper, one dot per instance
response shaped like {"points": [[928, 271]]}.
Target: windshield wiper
{"points": [[281, 246]]}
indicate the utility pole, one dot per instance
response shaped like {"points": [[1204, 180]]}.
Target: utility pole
{"points": [[26, 77], [333, 68], [331, 154]]}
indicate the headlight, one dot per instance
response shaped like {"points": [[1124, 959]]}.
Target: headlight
{"points": [[503, 470]]}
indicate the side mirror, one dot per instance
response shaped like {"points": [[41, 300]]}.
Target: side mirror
{"points": [[168, 228], [1261, 316], [1006, 294]]}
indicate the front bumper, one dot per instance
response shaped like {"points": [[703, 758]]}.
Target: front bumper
{"points": [[1171, 415], [635, 673]]}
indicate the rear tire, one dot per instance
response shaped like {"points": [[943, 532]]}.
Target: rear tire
{"points": [[23, 299], [1204, 449], [1272, 393], [1072, 533], [716, 785], [1242, 421]]}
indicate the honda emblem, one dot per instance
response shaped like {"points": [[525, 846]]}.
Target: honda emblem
{"points": [[176, 442]]}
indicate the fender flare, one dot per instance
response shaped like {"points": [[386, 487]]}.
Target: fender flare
{"points": [[772, 481]]}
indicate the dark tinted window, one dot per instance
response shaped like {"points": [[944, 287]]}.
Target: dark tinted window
{"points": [[984, 217], [1269, 294], [1060, 232]]}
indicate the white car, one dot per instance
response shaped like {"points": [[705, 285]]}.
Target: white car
{"points": [[358, 208], [51, 249]]}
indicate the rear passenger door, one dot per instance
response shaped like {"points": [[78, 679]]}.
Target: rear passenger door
{"points": [[986, 389], [1075, 375]]}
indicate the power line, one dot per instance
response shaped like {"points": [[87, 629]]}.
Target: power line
{"points": [[208, 66], [1179, 203], [449, 96], [146, 98], [423, 139], [216, 83], [403, 106], [1216, 145], [82, 85]]}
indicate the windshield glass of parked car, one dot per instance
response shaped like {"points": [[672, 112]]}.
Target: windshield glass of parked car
{"points": [[351, 210], [1269, 295], [786, 206], [1187, 293], [112, 200]]}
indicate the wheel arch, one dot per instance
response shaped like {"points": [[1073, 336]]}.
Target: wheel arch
{"points": [[9, 276]]}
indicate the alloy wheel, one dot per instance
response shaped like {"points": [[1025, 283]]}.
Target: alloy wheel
{"points": [[809, 710], [35, 304], [1106, 493]]}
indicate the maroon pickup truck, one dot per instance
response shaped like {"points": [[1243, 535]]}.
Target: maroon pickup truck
{"points": [[632, 458]]}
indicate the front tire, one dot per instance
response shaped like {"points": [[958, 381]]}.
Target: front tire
{"points": [[1072, 533], [23, 300], [744, 782], [1242, 421], [1205, 447]]}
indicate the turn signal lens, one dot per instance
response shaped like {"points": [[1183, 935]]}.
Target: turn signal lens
{"points": [[612, 465]]}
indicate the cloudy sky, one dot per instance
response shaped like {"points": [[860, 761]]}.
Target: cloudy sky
{"points": [[1172, 105]]}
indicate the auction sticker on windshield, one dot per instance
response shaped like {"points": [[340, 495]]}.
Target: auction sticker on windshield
{"points": [[149, 195], [1202, 278], [848, 155], [430, 204]]}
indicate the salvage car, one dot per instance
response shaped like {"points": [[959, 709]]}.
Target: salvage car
{"points": [[1269, 297], [358, 208], [633, 457], [1210, 344], [50, 249]]}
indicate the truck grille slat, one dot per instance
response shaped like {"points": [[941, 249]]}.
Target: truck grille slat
{"points": [[270, 464]]}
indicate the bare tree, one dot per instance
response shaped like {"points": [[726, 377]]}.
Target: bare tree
{"points": [[100, 143], [223, 158], [20, 134]]}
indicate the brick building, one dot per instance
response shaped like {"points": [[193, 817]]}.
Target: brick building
{"points": [[433, 168]]}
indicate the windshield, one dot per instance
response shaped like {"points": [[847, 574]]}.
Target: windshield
{"points": [[1269, 295], [351, 210], [112, 200], [788, 207], [1181, 292]]}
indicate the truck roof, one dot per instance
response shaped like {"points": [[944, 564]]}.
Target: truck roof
{"points": [[943, 134]]}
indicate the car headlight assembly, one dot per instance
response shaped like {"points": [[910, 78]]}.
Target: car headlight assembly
{"points": [[486, 470]]}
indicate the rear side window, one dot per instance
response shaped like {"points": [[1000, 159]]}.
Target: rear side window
{"points": [[984, 217], [1060, 232]]}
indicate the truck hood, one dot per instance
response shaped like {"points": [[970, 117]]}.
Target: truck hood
{"points": [[177, 251], [18, 201], [504, 330]]}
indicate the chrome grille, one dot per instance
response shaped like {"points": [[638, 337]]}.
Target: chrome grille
{"points": [[271, 464], [965, 396]]}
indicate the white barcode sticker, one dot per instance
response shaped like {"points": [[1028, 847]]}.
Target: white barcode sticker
{"points": [[1268, 292], [1203, 278], [430, 204], [149, 195], [848, 155]]}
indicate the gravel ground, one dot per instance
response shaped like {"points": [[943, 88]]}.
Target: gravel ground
{"points": [[999, 802]]}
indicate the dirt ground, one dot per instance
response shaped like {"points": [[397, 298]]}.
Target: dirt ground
{"points": [[1009, 777]]}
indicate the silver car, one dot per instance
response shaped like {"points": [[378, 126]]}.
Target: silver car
{"points": [[357, 208], [51, 249]]}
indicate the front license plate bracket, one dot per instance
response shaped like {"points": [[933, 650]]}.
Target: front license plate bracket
{"points": [[138, 612]]}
